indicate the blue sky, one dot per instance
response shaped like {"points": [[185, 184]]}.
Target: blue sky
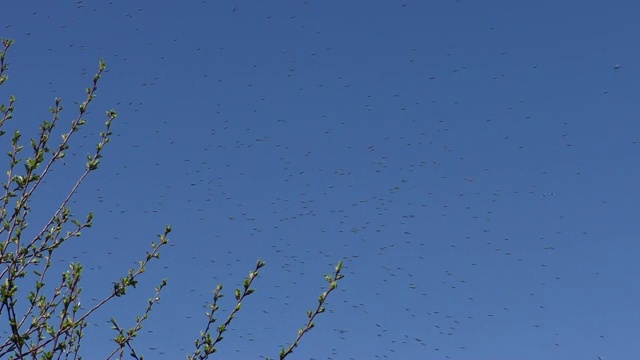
{"points": [[474, 164]]}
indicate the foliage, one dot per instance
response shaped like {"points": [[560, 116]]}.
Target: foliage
{"points": [[51, 324]]}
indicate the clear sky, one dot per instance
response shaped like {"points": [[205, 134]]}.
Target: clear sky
{"points": [[474, 163]]}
